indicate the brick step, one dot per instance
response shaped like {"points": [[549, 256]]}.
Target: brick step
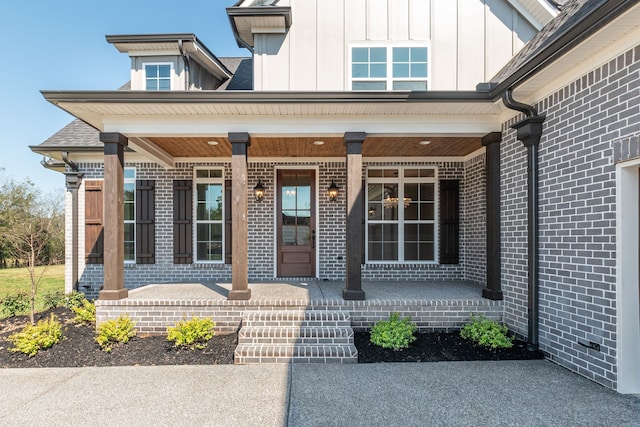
{"points": [[295, 335], [311, 336], [310, 318], [304, 353]]}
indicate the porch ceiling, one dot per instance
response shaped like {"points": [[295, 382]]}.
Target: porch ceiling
{"points": [[185, 147]]}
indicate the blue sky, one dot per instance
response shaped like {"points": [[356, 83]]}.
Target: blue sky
{"points": [[60, 45]]}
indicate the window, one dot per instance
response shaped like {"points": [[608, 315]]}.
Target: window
{"points": [[401, 215], [209, 222], [129, 215], [389, 68], [157, 76]]}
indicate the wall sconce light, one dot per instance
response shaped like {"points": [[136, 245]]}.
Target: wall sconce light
{"points": [[372, 211], [332, 192], [258, 191]]}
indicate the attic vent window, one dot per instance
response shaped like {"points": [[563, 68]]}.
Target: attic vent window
{"points": [[158, 76]]}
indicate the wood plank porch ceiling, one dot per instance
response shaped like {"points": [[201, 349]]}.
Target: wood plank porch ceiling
{"points": [[332, 147]]}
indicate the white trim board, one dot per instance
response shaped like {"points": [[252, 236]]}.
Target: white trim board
{"points": [[628, 276]]}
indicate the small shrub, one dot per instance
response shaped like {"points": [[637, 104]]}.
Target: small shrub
{"points": [[74, 300], [85, 314], [396, 333], [15, 304], [192, 333], [487, 333], [32, 338], [115, 332], [53, 299]]}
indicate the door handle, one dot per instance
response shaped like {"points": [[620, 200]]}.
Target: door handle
{"points": [[313, 239]]}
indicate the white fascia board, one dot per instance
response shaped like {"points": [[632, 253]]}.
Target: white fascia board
{"points": [[152, 152], [166, 52], [303, 126]]}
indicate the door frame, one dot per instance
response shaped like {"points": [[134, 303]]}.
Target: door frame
{"points": [[315, 169], [628, 276]]}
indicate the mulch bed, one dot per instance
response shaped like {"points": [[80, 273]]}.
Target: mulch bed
{"points": [[78, 348], [439, 347]]}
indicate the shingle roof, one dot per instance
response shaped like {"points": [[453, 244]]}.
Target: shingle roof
{"points": [[242, 69], [572, 13], [78, 134]]}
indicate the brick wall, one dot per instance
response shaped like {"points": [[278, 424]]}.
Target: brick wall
{"points": [[331, 228], [587, 122], [154, 317]]}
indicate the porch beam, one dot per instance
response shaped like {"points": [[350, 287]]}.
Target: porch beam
{"points": [[354, 207], [154, 153], [240, 142], [114, 145], [493, 290]]}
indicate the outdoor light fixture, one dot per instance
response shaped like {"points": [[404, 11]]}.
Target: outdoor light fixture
{"points": [[258, 191], [332, 191]]}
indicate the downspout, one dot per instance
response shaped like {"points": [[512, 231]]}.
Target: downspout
{"points": [[529, 131], [72, 181], [185, 58]]}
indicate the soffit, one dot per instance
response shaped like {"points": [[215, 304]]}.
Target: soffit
{"points": [[278, 147]]}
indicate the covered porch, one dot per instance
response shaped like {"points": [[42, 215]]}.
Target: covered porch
{"points": [[250, 140]]}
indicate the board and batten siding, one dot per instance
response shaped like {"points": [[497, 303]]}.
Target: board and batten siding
{"points": [[468, 40]]}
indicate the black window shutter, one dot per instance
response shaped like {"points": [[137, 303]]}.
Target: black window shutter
{"points": [[93, 224], [182, 222], [449, 221], [227, 222], [145, 222]]}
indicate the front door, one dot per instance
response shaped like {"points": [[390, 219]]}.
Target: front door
{"points": [[296, 226]]}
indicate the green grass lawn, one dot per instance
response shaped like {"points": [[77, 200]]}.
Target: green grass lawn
{"points": [[14, 280]]}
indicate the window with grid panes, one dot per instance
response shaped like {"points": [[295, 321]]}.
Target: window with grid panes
{"points": [[401, 215]]}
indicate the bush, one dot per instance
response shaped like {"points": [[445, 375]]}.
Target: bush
{"points": [[85, 314], [74, 300], [396, 333], [15, 303], [115, 332], [32, 338], [192, 333], [53, 299], [487, 333]]}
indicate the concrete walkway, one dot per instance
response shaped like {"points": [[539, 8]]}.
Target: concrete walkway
{"points": [[523, 393]]}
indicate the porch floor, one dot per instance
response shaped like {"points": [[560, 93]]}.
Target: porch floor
{"points": [[311, 292]]}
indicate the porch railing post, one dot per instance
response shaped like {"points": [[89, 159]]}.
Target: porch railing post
{"points": [[114, 144], [240, 142], [355, 199], [493, 290]]}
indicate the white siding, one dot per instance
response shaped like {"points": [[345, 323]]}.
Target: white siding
{"points": [[468, 40], [331, 45], [419, 19], [444, 45]]}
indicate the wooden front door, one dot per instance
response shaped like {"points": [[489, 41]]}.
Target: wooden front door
{"points": [[296, 226]]}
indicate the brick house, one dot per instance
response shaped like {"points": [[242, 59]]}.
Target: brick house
{"points": [[493, 141]]}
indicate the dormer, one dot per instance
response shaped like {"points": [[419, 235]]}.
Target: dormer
{"points": [[249, 17], [161, 62]]}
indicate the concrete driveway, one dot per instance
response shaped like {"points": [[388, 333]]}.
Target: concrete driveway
{"points": [[518, 393]]}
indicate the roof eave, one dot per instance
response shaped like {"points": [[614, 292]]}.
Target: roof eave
{"points": [[261, 97], [235, 12], [573, 36], [124, 39]]}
